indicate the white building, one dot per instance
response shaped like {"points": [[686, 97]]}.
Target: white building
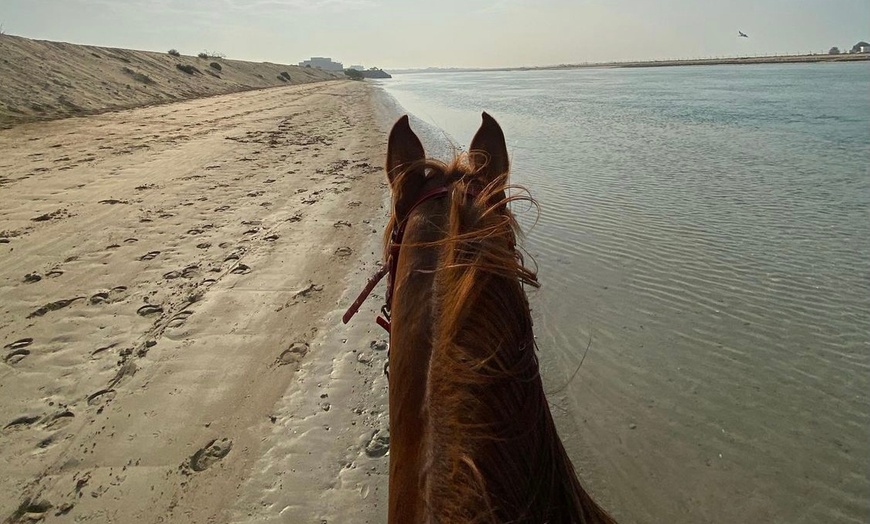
{"points": [[321, 62]]}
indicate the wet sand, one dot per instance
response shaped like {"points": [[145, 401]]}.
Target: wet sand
{"points": [[170, 294]]}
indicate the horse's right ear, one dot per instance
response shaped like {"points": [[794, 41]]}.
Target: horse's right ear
{"points": [[405, 170]]}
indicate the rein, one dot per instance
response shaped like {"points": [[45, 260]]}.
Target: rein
{"points": [[389, 269]]}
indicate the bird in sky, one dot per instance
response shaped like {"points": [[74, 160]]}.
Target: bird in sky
{"points": [[741, 34]]}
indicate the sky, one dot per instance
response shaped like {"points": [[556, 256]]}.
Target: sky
{"points": [[448, 33]]}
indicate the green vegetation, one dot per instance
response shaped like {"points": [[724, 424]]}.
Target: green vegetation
{"points": [[216, 66], [286, 75], [174, 52], [834, 51], [353, 74], [205, 55], [189, 69]]}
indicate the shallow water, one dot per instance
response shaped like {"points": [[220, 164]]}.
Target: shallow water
{"points": [[706, 232]]}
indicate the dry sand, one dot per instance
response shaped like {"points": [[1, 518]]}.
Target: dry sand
{"points": [[42, 80], [171, 284]]}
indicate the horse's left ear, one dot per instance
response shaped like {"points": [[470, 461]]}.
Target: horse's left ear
{"points": [[489, 154], [405, 170]]}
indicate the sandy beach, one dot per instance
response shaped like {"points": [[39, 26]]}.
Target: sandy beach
{"points": [[170, 294], [45, 80]]}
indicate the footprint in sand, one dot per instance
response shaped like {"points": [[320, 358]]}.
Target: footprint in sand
{"points": [[204, 245], [151, 255], [17, 351], [100, 297], [379, 445], [100, 350], [108, 296], [31, 511], [241, 269], [210, 454], [112, 246], [22, 421], [54, 306], [222, 209], [293, 354], [113, 201], [194, 232], [102, 396], [149, 309], [30, 278], [19, 344], [179, 319], [58, 420], [54, 215], [16, 356], [271, 238], [344, 251], [342, 223]]}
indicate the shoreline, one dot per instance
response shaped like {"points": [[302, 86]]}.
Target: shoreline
{"points": [[748, 60], [171, 345]]}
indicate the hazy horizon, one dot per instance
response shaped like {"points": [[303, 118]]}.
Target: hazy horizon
{"points": [[447, 33]]}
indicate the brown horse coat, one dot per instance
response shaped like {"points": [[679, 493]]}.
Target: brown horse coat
{"points": [[471, 435]]}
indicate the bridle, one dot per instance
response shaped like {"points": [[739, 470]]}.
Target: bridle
{"points": [[389, 269]]}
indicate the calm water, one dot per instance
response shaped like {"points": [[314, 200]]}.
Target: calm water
{"points": [[707, 231]]}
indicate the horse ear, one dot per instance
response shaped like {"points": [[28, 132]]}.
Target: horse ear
{"points": [[405, 150], [489, 154]]}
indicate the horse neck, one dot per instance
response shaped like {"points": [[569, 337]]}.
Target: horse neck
{"points": [[493, 453], [410, 350]]}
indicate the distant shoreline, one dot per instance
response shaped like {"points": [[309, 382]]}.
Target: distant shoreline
{"points": [[785, 59]]}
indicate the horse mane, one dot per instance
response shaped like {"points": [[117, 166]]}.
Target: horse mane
{"points": [[492, 452]]}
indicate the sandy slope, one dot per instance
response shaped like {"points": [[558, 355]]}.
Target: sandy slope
{"points": [[171, 284], [42, 80]]}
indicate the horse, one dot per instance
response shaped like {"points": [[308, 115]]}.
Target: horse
{"points": [[472, 439]]}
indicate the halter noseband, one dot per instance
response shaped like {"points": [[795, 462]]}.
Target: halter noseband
{"points": [[389, 269]]}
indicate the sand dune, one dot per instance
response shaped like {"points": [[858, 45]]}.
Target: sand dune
{"points": [[170, 291], [44, 80]]}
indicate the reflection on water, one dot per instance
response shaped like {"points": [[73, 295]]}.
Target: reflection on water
{"points": [[707, 230]]}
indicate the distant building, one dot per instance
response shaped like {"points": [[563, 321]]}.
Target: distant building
{"points": [[357, 68], [321, 62], [861, 47]]}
